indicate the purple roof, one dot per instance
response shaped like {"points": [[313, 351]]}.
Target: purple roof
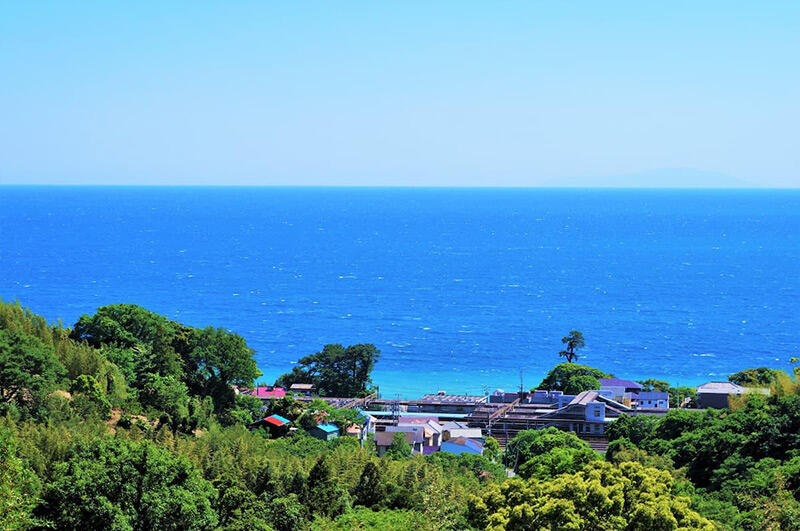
{"points": [[653, 395], [618, 382]]}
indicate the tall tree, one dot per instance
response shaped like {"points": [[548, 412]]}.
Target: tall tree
{"points": [[370, 490], [573, 342], [336, 370]]}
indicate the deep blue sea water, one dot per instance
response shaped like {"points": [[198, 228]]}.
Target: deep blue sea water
{"points": [[461, 289]]}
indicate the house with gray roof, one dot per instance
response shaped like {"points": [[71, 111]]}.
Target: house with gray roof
{"points": [[587, 413], [717, 394]]}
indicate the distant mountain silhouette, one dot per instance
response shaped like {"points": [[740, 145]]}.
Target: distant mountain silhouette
{"points": [[659, 178]]}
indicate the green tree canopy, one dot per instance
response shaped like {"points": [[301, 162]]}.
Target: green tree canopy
{"points": [[399, 448], [125, 485], [362, 519], [29, 370], [601, 496], [654, 385], [209, 360], [324, 495], [166, 394], [19, 487], [634, 428], [124, 325], [547, 452], [572, 378], [370, 490], [336, 370], [758, 377]]}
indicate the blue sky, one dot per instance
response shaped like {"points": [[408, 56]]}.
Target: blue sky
{"points": [[407, 93]]}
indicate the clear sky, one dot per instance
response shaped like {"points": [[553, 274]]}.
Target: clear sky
{"points": [[400, 93]]}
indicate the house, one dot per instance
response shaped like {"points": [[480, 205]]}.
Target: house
{"points": [[652, 400], [369, 423], [543, 396], [264, 392], [383, 440], [324, 432], [302, 388], [586, 414], [275, 424], [716, 394], [502, 397], [454, 429], [462, 445], [627, 386], [618, 394], [418, 438], [441, 402], [431, 431]]}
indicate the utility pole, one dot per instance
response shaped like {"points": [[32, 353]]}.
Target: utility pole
{"points": [[396, 407]]}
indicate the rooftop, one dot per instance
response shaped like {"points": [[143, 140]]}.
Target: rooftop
{"points": [[384, 438], [265, 391], [619, 382], [452, 399], [467, 443], [454, 425], [653, 395], [276, 420], [329, 428], [726, 388]]}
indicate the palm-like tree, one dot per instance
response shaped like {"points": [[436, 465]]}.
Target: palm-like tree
{"points": [[573, 342]]}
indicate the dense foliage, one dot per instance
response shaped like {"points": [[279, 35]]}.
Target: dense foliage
{"points": [[546, 453], [742, 465], [758, 377], [600, 496], [336, 370], [208, 361], [129, 422], [572, 378]]}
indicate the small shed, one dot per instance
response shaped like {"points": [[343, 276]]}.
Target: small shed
{"points": [[302, 388], [275, 424], [325, 432]]}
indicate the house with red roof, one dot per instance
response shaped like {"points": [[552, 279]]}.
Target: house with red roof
{"points": [[275, 424], [264, 392]]}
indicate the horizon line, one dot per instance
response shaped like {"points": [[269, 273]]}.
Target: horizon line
{"points": [[396, 186]]}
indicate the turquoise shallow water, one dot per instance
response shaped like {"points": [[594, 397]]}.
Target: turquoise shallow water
{"points": [[461, 289]]}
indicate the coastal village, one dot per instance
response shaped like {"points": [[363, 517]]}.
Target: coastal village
{"points": [[460, 424]]}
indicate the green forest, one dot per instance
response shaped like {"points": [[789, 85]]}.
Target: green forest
{"points": [[128, 420]]}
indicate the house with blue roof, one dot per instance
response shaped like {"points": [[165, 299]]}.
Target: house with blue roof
{"points": [[324, 432], [462, 445]]}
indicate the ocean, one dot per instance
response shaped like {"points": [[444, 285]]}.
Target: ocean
{"points": [[462, 290]]}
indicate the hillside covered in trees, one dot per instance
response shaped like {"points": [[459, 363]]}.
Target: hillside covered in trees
{"points": [[129, 421]]}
